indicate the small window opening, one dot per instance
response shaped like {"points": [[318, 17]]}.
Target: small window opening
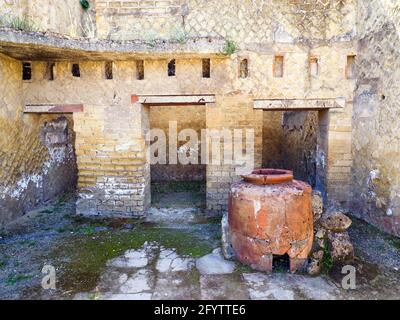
{"points": [[109, 70], [314, 67], [50, 71], [350, 67], [244, 68], [206, 68], [278, 66], [76, 72], [26, 71], [172, 68], [139, 69]]}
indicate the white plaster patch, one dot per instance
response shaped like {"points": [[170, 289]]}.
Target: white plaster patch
{"points": [[257, 208], [374, 175], [57, 156]]}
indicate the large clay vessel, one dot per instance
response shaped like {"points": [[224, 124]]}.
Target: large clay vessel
{"points": [[270, 214]]}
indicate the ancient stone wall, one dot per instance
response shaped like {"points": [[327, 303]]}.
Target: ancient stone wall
{"points": [[186, 117], [245, 22], [376, 131], [290, 142], [36, 152], [105, 100], [258, 31], [231, 112], [273, 140], [66, 17]]}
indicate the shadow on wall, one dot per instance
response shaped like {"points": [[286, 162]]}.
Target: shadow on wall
{"points": [[58, 173], [290, 142]]}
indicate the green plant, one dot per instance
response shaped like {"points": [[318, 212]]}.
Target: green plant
{"points": [[85, 4], [23, 23], [178, 35], [88, 230], [93, 296], [229, 48], [327, 261]]}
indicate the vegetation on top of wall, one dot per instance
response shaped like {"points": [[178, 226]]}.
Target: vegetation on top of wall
{"points": [[85, 4], [22, 23], [178, 35], [229, 48]]}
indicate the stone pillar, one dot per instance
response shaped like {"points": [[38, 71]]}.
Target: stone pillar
{"points": [[114, 175], [230, 112], [321, 154], [338, 154]]}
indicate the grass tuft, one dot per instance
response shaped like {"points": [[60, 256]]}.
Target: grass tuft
{"points": [[229, 48], [22, 23]]}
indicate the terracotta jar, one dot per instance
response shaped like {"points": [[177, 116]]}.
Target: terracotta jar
{"points": [[270, 214]]}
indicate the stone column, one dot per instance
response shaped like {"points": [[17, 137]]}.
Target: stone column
{"points": [[230, 112], [338, 155]]}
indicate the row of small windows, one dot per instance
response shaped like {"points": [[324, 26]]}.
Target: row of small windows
{"points": [[243, 72]]}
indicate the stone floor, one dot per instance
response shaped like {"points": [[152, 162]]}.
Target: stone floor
{"points": [[155, 272], [173, 254]]}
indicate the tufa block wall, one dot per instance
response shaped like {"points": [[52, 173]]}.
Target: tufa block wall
{"points": [[376, 133], [36, 151], [245, 22], [65, 17]]}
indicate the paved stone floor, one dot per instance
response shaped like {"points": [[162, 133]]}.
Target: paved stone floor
{"points": [[155, 272], [173, 254]]}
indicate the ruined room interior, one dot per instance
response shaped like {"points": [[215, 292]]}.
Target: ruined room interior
{"points": [[311, 86], [178, 184]]}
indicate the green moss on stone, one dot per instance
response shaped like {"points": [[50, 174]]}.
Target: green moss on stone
{"points": [[88, 254]]}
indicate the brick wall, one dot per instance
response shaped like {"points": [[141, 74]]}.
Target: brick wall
{"points": [[230, 112], [111, 161], [339, 156]]}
